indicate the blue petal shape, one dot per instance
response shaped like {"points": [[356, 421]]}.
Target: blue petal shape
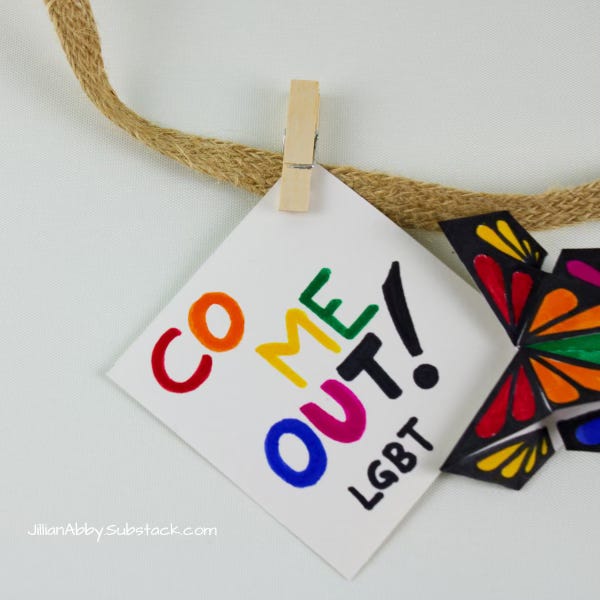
{"points": [[589, 433]]}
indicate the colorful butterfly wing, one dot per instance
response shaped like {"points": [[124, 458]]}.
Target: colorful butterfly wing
{"points": [[581, 432], [562, 342], [498, 233], [583, 264], [511, 463], [514, 403], [555, 322], [503, 259]]}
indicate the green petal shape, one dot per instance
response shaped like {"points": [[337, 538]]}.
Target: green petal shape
{"points": [[581, 347]]}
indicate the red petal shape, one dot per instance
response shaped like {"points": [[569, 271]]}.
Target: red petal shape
{"points": [[523, 399], [495, 417], [491, 276], [522, 283]]}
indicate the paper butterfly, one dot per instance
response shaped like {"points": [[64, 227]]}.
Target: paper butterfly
{"points": [[553, 319]]}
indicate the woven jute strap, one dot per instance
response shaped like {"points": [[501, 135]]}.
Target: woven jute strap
{"points": [[410, 203]]}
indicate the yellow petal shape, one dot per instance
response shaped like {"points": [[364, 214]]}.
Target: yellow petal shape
{"points": [[507, 232], [487, 234], [531, 461], [493, 461], [513, 467]]}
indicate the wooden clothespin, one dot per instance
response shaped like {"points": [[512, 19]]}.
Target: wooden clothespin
{"points": [[299, 145]]}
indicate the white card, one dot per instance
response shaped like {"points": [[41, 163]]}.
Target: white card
{"points": [[296, 431]]}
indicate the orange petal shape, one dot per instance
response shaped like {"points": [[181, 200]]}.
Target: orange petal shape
{"points": [[588, 378], [556, 303], [555, 387], [587, 319]]}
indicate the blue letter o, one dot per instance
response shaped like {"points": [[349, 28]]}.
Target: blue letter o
{"points": [[317, 457]]}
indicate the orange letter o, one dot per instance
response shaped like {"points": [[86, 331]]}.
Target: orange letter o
{"points": [[198, 326]]}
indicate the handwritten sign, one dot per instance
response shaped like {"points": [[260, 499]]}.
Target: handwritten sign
{"points": [[325, 362]]}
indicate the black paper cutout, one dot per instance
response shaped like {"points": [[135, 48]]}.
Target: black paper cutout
{"points": [[553, 319]]}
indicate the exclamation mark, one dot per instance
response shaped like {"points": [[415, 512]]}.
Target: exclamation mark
{"points": [[425, 375]]}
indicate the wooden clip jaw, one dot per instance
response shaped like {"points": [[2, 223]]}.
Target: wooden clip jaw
{"points": [[299, 145]]}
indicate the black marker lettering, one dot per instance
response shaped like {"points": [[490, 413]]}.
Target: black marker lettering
{"points": [[368, 504], [403, 460], [409, 429], [362, 358]]}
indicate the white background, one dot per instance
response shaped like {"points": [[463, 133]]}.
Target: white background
{"points": [[98, 232]]}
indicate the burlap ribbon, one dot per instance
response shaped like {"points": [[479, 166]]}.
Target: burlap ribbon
{"points": [[409, 203]]}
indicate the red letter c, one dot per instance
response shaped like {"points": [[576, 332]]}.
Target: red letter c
{"points": [[160, 373]]}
